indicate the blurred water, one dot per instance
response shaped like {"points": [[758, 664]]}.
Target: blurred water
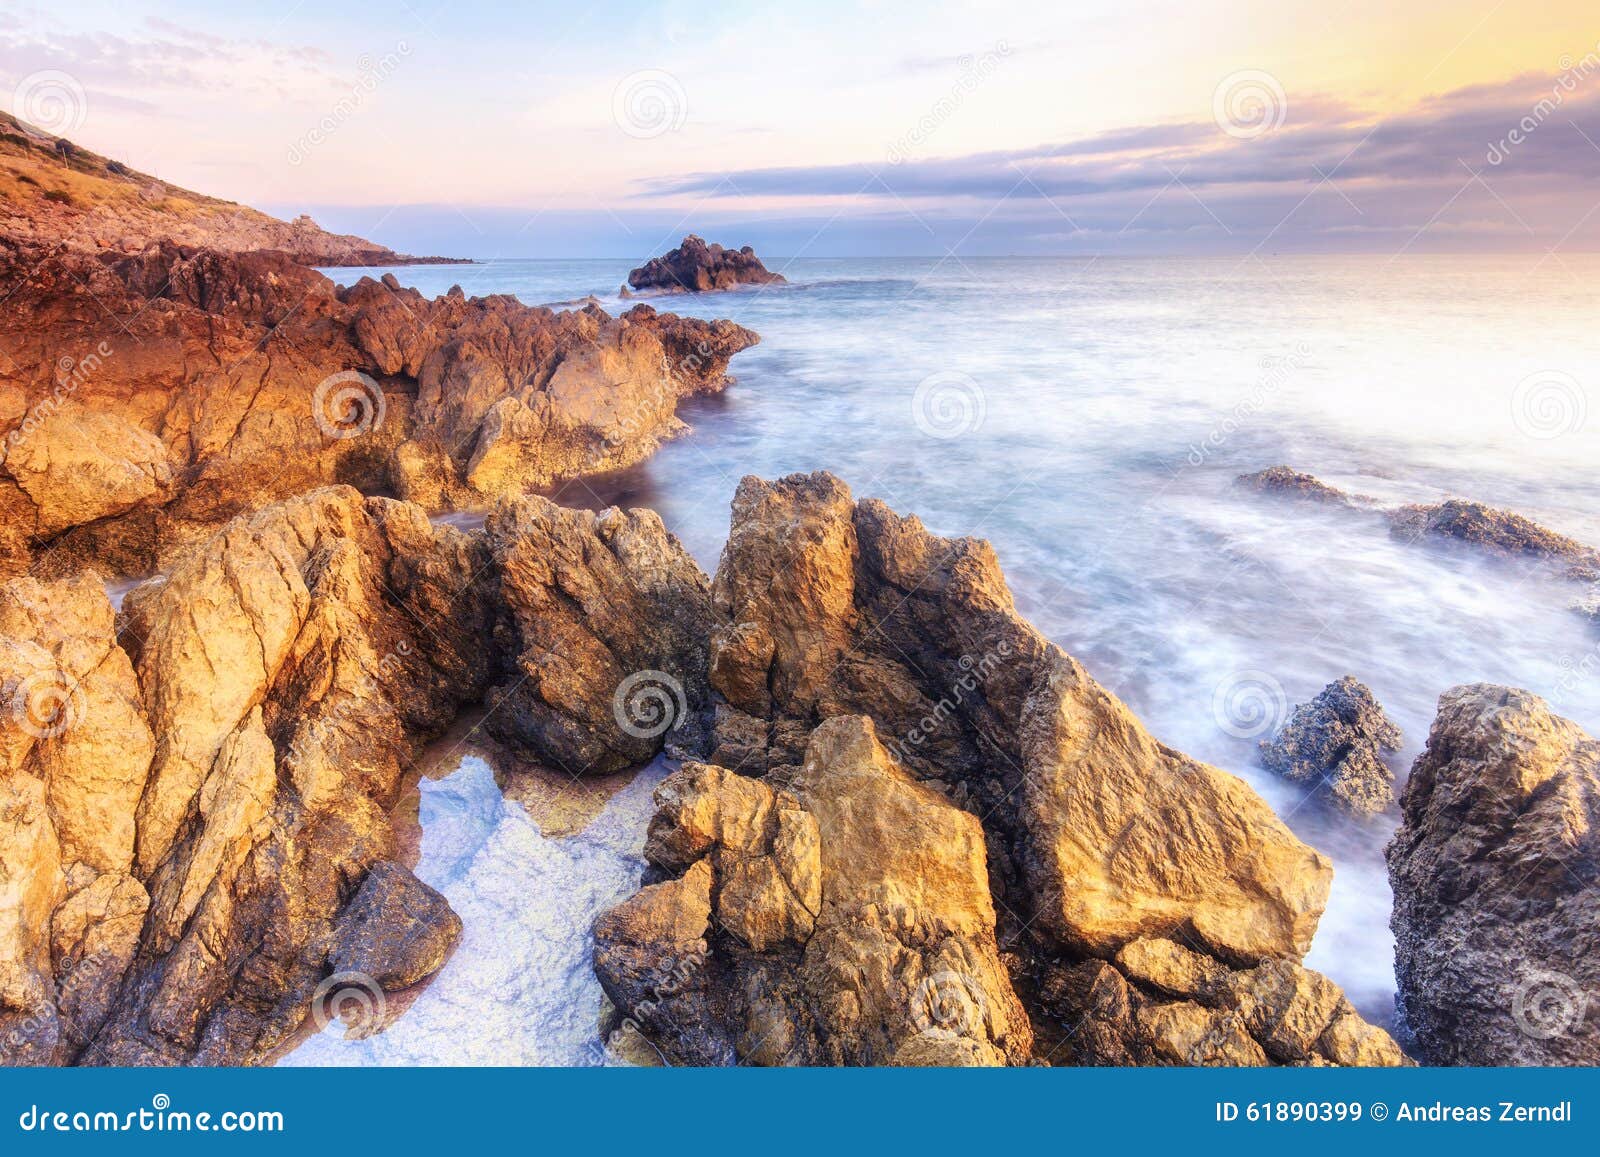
{"points": [[1088, 416], [520, 987]]}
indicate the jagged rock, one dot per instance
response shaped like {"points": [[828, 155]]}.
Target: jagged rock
{"points": [[1498, 532], [396, 930], [849, 922], [1335, 744], [155, 395], [1494, 869], [195, 828], [607, 620], [1162, 1003], [695, 267], [1096, 836]]}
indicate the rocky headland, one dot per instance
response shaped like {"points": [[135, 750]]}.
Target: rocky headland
{"points": [[150, 397], [60, 195], [695, 267]]}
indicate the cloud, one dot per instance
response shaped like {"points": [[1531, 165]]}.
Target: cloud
{"points": [[1506, 159]]}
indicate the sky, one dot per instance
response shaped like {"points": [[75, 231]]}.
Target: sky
{"points": [[831, 129]]}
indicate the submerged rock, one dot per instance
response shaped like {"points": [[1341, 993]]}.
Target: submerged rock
{"points": [[695, 267], [1494, 869], [1336, 744], [1497, 531], [1281, 480]]}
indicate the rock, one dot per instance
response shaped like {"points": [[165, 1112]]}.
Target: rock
{"points": [[248, 378], [1494, 870], [1126, 838], [1335, 744], [1163, 1003], [116, 207], [194, 835], [1281, 480], [396, 930], [847, 923], [1499, 532], [848, 630], [695, 267], [607, 620]]}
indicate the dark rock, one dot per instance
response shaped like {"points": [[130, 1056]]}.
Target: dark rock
{"points": [[1336, 743], [695, 267], [1495, 871], [396, 929], [1496, 531]]}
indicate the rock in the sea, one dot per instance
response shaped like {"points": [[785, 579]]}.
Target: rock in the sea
{"points": [[395, 931], [1496, 531], [695, 267], [1086, 833], [1495, 871], [150, 397], [1335, 744]]}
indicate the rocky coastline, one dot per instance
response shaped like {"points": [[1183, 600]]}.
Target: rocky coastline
{"points": [[902, 827]]}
